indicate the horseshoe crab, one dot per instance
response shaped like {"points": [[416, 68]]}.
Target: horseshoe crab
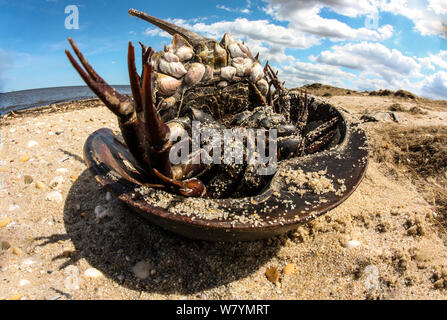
{"points": [[320, 152]]}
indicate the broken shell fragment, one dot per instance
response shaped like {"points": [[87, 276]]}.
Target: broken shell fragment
{"points": [[195, 73], [167, 85], [227, 73]]}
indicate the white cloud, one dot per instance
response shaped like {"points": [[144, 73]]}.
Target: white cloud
{"points": [[239, 10], [261, 30], [376, 66], [245, 10], [436, 85], [300, 73], [428, 20], [269, 53], [439, 59], [304, 16], [438, 6], [151, 32], [350, 8], [372, 57]]}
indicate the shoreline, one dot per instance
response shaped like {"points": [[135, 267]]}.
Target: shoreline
{"points": [[63, 106]]}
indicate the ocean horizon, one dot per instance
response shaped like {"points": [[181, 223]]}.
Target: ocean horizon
{"points": [[31, 98]]}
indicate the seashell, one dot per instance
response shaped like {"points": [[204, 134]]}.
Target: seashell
{"points": [[195, 73], [257, 72], [242, 65], [208, 73], [263, 86], [184, 53], [170, 57], [175, 69], [167, 85], [222, 84], [227, 73]]}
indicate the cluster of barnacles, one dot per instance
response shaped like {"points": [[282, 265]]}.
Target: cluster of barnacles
{"points": [[174, 85]]}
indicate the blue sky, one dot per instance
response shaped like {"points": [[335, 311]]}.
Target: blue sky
{"points": [[357, 44]]}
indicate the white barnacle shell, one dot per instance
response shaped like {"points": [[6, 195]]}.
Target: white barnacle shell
{"points": [[227, 73], [208, 73], [155, 60], [220, 56], [178, 41], [227, 40], [246, 50], [169, 64], [176, 130], [263, 86], [184, 53], [170, 57], [168, 102], [236, 51], [229, 43], [257, 72], [167, 85], [242, 65], [175, 69], [195, 73], [222, 84], [181, 47]]}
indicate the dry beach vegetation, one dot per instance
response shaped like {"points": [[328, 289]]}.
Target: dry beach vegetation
{"points": [[63, 237]]}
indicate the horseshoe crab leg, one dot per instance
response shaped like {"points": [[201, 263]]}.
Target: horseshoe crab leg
{"points": [[190, 187], [117, 103], [157, 133], [146, 135], [120, 105]]}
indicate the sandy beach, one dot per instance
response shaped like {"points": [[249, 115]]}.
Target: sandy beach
{"points": [[63, 237]]}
